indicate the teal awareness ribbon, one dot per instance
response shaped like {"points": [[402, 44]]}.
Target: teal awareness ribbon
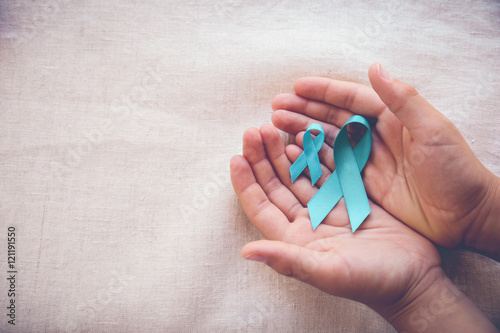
{"points": [[310, 156], [346, 180]]}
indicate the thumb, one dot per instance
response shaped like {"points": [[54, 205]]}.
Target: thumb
{"points": [[313, 267], [414, 112]]}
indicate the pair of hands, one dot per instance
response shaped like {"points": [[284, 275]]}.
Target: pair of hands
{"points": [[421, 171]]}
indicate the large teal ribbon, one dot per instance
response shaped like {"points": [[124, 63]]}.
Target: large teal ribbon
{"points": [[346, 179], [309, 157]]}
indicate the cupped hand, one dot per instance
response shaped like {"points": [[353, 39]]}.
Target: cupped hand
{"points": [[384, 264], [421, 169]]}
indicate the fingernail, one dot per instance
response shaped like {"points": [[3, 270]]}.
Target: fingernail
{"points": [[383, 73], [256, 257]]}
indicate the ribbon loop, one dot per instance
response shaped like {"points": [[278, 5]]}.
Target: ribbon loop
{"points": [[309, 157], [346, 180]]}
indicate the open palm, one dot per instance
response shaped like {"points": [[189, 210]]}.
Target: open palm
{"points": [[421, 169], [376, 265]]}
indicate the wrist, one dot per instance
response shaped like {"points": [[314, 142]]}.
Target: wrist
{"points": [[404, 308], [484, 234], [437, 305]]}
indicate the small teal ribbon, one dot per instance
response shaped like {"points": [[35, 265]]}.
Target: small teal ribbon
{"points": [[346, 180], [309, 157]]}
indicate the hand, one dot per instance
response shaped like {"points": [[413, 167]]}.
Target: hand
{"points": [[376, 265], [384, 264], [421, 169]]}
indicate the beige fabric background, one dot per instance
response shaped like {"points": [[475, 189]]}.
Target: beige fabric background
{"points": [[117, 123]]}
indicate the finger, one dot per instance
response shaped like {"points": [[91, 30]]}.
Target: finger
{"points": [[327, 113], [256, 154], [263, 214], [414, 112], [301, 189], [326, 152], [293, 119], [326, 270], [351, 96], [379, 171], [378, 178], [293, 123]]}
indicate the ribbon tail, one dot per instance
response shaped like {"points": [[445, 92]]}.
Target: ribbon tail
{"points": [[297, 167], [353, 189], [315, 170], [324, 200], [349, 174], [359, 213], [312, 158]]}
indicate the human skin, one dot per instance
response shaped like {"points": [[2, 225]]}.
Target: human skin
{"points": [[337, 261], [421, 169]]}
